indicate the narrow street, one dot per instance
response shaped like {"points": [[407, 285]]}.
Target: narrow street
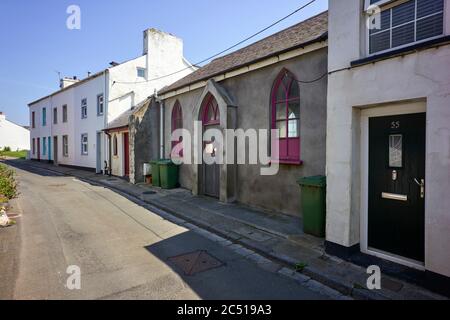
{"points": [[123, 250]]}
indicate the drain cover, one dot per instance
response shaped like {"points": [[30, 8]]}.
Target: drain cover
{"points": [[196, 262]]}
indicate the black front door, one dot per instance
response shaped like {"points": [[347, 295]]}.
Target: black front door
{"points": [[396, 221]]}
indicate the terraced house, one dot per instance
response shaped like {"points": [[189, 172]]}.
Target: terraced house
{"points": [[388, 137], [67, 125]]}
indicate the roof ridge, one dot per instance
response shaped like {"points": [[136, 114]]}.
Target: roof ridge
{"points": [[301, 34], [269, 36]]}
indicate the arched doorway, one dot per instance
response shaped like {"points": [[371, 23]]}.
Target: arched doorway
{"points": [[215, 109], [210, 117]]}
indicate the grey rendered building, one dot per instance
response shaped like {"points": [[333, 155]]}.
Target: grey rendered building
{"points": [[280, 83]]}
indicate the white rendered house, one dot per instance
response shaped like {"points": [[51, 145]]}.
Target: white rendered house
{"points": [[13, 135], [67, 125], [388, 133]]}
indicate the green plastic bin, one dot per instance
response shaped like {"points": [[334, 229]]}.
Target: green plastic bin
{"points": [[313, 198], [156, 181], [169, 174]]}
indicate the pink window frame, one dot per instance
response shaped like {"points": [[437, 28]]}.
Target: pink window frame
{"points": [[210, 102], [177, 114], [291, 147]]}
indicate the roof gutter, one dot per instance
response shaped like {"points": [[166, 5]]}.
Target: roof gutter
{"points": [[117, 129]]}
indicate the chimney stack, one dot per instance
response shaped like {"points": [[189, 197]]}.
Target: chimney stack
{"points": [[161, 46], [66, 82]]}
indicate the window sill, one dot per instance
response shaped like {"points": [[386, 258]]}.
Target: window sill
{"points": [[402, 51]]}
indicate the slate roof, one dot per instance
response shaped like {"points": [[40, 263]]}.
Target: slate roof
{"points": [[312, 30], [124, 119], [121, 121]]}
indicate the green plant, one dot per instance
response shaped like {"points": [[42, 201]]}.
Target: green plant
{"points": [[299, 267], [8, 185], [14, 154]]}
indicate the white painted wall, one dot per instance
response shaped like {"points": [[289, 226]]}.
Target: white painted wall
{"points": [[60, 128], [163, 58], [40, 132], [90, 125], [13, 135], [423, 76], [122, 89]]}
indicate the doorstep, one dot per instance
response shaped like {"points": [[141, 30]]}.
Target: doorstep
{"points": [[273, 235]]}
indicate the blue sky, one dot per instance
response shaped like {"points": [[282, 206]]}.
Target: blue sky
{"points": [[35, 42]]}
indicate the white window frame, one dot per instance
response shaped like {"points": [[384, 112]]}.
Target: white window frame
{"points": [[83, 144], [382, 2], [33, 120], [65, 141], [55, 115], [138, 69], [102, 103], [44, 117], [84, 105], [64, 114]]}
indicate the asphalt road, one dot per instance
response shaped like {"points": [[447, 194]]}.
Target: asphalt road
{"points": [[123, 250]]}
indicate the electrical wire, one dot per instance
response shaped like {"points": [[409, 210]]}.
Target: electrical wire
{"points": [[226, 50], [315, 80]]}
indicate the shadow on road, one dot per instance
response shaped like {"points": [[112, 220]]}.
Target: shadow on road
{"points": [[215, 272], [25, 166]]}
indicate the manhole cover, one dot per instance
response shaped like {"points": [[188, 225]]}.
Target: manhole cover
{"points": [[196, 262], [146, 193]]}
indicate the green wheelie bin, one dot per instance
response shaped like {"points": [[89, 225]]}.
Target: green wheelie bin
{"points": [[156, 181], [169, 174], [313, 198]]}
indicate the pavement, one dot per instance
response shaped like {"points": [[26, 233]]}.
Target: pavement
{"points": [[124, 250], [274, 241]]}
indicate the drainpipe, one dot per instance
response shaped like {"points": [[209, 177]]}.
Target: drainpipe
{"points": [[105, 121], [51, 129], [161, 126], [161, 130], [108, 170]]}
